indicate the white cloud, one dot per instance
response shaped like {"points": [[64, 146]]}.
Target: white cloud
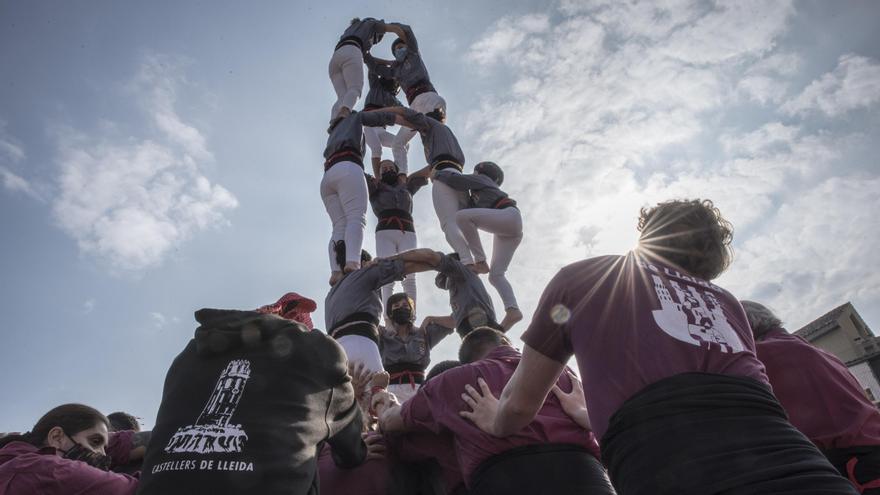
{"points": [[509, 33], [88, 306], [854, 83], [16, 183], [131, 201], [618, 105], [159, 319], [12, 153]]}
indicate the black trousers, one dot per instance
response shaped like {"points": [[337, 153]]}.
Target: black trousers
{"points": [[549, 469], [860, 465], [706, 434]]}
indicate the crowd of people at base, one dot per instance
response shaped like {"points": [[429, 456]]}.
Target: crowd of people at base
{"points": [[686, 390]]}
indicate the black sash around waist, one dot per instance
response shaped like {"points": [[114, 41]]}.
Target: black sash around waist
{"points": [[416, 89], [363, 324], [349, 40], [344, 156], [395, 219], [557, 468], [442, 162], [700, 433], [860, 465]]}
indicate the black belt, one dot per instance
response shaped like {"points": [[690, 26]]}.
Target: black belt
{"points": [[395, 219], [344, 156], [362, 324], [529, 450], [416, 89], [445, 164], [351, 40], [504, 203]]}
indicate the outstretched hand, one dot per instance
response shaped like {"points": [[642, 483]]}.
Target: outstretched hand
{"points": [[484, 406]]}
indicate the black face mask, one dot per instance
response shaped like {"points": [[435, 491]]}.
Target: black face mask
{"points": [[401, 316], [94, 459], [389, 178]]}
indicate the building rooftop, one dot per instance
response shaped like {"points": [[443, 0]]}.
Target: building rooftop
{"points": [[823, 323]]}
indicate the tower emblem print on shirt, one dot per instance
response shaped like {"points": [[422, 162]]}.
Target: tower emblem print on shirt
{"points": [[212, 432], [694, 316]]}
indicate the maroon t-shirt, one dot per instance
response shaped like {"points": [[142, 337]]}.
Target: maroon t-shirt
{"points": [[436, 406], [632, 322], [822, 399], [370, 478]]}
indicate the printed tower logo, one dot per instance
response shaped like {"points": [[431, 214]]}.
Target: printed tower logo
{"points": [[694, 316], [212, 432]]}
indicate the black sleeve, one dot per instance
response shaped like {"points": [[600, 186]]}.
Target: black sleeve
{"points": [[346, 445]]}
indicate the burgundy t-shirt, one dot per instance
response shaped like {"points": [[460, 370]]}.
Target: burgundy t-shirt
{"points": [[370, 478], [632, 322], [822, 399], [436, 406]]}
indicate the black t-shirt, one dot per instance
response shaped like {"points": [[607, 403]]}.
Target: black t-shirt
{"points": [[245, 406]]}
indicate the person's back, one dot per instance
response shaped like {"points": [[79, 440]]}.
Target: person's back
{"points": [[553, 452], [822, 398], [246, 404]]}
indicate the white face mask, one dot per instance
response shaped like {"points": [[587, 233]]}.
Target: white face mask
{"points": [[400, 53]]}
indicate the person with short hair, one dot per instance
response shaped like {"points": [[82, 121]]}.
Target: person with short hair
{"points": [[391, 196], [69, 450], [409, 71], [679, 400], [442, 152], [346, 65], [353, 306], [406, 348], [551, 454], [122, 421], [471, 305], [490, 209], [822, 398]]}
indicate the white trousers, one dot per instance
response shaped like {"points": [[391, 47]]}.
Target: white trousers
{"points": [[344, 191], [389, 243], [403, 391], [347, 75], [361, 349], [447, 203], [506, 226], [377, 137], [424, 103]]}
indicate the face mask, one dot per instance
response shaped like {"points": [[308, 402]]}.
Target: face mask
{"points": [[94, 459], [389, 178], [400, 53], [401, 316]]}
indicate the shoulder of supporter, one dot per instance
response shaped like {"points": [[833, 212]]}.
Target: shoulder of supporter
{"points": [[450, 266], [324, 354], [67, 476], [438, 400]]}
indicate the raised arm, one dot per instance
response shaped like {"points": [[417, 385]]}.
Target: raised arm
{"points": [[404, 116], [521, 398]]}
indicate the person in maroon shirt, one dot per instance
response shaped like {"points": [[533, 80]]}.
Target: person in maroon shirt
{"points": [[551, 454], [674, 390], [69, 451], [822, 398]]}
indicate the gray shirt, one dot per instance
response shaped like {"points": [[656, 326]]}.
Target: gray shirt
{"points": [[397, 197], [467, 295], [484, 192], [416, 349], [410, 71], [439, 141], [348, 135], [367, 31], [358, 292], [383, 87]]}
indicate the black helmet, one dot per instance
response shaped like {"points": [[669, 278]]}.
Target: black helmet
{"points": [[491, 170]]}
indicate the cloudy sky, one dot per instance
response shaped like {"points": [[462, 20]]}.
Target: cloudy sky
{"points": [[160, 157]]}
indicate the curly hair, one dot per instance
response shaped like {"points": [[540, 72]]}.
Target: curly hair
{"points": [[691, 234]]}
